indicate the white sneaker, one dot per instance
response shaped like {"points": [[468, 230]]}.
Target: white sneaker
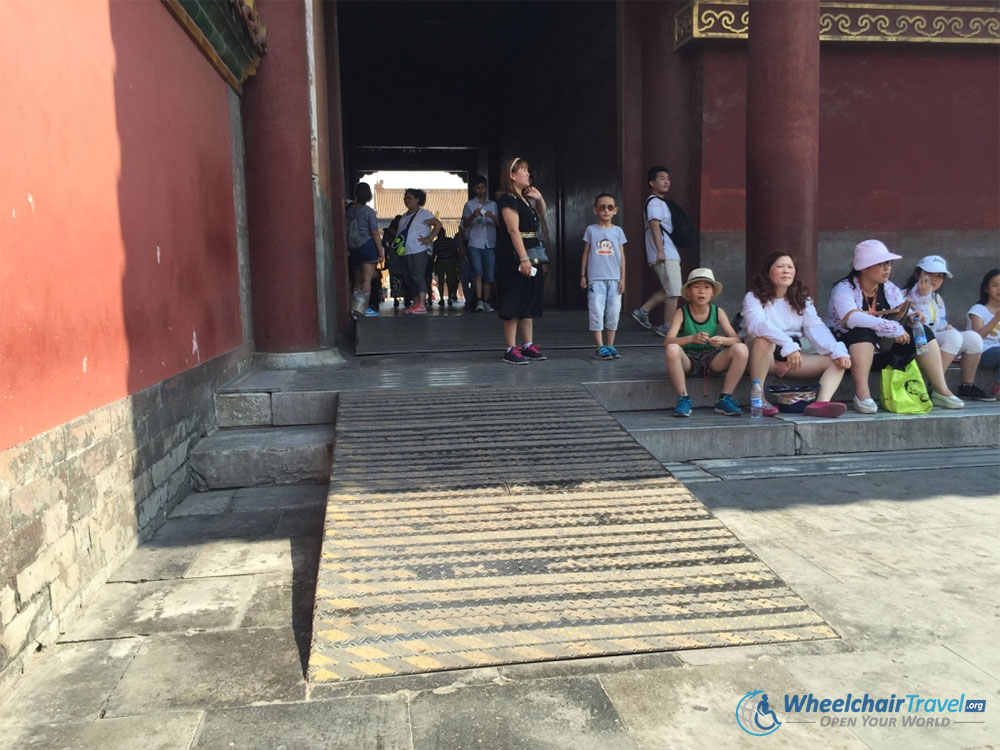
{"points": [[867, 406], [488, 307], [479, 306], [947, 402]]}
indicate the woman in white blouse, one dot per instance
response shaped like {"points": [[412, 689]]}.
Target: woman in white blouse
{"points": [[777, 312], [862, 307]]}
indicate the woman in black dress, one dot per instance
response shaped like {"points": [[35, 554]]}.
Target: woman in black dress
{"points": [[520, 283]]}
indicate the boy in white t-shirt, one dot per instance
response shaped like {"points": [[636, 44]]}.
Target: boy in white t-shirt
{"points": [[661, 253], [602, 274]]}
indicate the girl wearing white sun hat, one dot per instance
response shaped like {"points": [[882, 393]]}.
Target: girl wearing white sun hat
{"points": [[862, 309], [922, 290]]}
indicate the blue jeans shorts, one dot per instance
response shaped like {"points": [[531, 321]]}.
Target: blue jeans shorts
{"points": [[484, 261]]}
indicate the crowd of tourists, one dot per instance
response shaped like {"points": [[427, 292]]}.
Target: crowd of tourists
{"points": [[871, 324]]}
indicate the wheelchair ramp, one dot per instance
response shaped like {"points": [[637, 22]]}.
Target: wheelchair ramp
{"points": [[535, 529]]}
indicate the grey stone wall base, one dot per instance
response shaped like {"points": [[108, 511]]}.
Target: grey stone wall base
{"points": [[75, 500]]}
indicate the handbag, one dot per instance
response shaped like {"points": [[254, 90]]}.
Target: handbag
{"points": [[903, 390], [537, 254], [399, 241]]}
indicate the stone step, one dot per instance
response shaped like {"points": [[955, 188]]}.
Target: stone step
{"points": [[261, 408], [639, 395], [729, 469], [255, 456], [706, 435]]}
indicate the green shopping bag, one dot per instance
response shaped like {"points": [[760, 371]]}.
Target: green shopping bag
{"points": [[903, 391]]}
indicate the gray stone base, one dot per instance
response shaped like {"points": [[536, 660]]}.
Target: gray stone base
{"points": [[75, 500]]}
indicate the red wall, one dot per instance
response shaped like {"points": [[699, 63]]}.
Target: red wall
{"points": [[908, 137], [279, 187], [117, 128]]}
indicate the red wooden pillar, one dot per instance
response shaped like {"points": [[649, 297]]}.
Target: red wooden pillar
{"points": [[783, 133]]}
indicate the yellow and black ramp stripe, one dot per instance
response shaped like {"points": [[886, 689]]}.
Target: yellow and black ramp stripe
{"points": [[494, 525]]}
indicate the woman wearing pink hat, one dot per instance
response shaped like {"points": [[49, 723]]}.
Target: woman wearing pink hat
{"points": [[862, 306]]}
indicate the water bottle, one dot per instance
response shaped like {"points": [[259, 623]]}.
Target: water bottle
{"points": [[756, 401], [919, 337]]}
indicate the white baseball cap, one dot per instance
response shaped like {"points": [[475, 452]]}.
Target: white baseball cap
{"points": [[934, 264]]}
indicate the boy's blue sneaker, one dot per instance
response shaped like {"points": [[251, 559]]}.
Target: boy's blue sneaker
{"points": [[603, 352], [614, 352], [728, 406], [683, 408]]}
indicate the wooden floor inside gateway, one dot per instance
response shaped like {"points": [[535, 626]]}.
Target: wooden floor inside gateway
{"points": [[536, 530]]}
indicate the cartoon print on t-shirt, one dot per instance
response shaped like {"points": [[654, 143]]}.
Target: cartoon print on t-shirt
{"points": [[605, 247]]}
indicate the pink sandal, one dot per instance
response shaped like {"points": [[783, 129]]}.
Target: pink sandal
{"points": [[829, 409]]}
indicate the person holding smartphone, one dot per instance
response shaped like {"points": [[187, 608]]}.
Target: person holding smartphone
{"points": [[520, 283]]}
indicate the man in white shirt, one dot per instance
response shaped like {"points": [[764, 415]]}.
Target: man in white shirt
{"points": [[479, 219], [661, 253]]}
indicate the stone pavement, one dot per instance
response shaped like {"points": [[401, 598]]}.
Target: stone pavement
{"points": [[198, 641]]}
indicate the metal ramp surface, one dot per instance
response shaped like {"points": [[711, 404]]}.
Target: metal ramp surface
{"points": [[533, 528]]}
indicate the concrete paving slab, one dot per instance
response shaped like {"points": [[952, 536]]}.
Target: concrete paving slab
{"points": [[890, 613], [68, 682], [203, 503], [969, 646], [161, 731], [931, 671], [194, 529], [973, 546], [696, 707], [579, 667], [302, 522], [877, 556], [439, 683], [128, 609], [278, 601], [240, 557], [283, 497], [687, 473], [211, 670], [790, 566], [347, 724], [573, 712], [149, 563], [762, 652]]}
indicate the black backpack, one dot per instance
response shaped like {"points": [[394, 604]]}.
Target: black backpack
{"points": [[683, 230]]}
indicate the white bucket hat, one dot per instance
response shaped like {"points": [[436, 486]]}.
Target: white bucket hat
{"points": [[701, 274], [871, 253], [934, 264]]}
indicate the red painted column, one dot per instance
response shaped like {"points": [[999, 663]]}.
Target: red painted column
{"points": [[783, 133], [279, 187]]}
